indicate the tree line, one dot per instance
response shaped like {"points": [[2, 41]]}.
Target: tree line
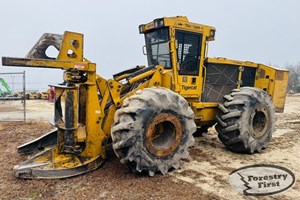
{"points": [[294, 77]]}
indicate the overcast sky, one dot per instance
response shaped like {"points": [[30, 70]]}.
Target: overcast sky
{"points": [[264, 31]]}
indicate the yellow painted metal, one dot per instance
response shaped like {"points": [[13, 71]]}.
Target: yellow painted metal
{"points": [[115, 91], [97, 99], [271, 79], [108, 120], [87, 130], [241, 68], [280, 89], [58, 64], [71, 47], [204, 112], [166, 79], [101, 84], [274, 81], [220, 60], [156, 79], [190, 87], [182, 23], [121, 77], [96, 137], [141, 76], [185, 85], [174, 60], [58, 161]]}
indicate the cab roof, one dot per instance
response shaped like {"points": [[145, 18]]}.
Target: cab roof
{"points": [[179, 23]]}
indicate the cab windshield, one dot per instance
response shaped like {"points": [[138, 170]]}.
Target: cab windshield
{"points": [[157, 46]]}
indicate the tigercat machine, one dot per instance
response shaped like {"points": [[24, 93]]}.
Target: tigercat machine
{"points": [[150, 114]]}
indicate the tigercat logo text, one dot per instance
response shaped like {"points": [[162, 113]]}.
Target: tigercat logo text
{"points": [[184, 87]]}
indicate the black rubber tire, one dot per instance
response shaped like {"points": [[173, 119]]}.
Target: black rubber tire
{"points": [[246, 120], [132, 122]]}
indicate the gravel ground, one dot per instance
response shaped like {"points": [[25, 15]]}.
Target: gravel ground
{"points": [[203, 176], [35, 110]]}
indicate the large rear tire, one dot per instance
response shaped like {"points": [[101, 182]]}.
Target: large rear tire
{"points": [[246, 120], [153, 130]]}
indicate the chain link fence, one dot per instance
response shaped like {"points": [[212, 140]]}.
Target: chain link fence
{"points": [[12, 98]]}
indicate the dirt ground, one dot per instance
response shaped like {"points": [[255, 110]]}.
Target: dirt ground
{"points": [[203, 176], [35, 109]]}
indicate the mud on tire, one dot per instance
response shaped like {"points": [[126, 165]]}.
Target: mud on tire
{"points": [[246, 120], [153, 130]]}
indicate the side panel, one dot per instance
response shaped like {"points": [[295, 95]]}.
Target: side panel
{"points": [[223, 75], [280, 90], [264, 78], [274, 81], [220, 80]]}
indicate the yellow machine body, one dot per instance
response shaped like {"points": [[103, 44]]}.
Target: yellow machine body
{"points": [[193, 87], [84, 117]]}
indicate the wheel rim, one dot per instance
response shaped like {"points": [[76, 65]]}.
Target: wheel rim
{"points": [[259, 123], [163, 134]]}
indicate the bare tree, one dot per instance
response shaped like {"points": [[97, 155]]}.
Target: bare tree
{"points": [[294, 77]]}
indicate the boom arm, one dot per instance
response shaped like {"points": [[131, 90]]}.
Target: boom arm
{"points": [[70, 56]]}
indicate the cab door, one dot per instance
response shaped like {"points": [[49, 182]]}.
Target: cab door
{"points": [[189, 59]]}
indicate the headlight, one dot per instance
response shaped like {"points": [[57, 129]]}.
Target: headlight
{"points": [[141, 28], [158, 23], [211, 35]]}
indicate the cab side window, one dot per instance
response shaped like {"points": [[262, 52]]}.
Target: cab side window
{"points": [[188, 52]]}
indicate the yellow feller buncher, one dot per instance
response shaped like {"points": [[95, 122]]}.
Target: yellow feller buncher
{"points": [[150, 114]]}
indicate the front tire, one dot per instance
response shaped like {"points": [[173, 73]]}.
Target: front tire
{"points": [[246, 120], [153, 130]]}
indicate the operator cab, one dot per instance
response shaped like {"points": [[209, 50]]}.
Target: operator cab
{"points": [[180, 46]]}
